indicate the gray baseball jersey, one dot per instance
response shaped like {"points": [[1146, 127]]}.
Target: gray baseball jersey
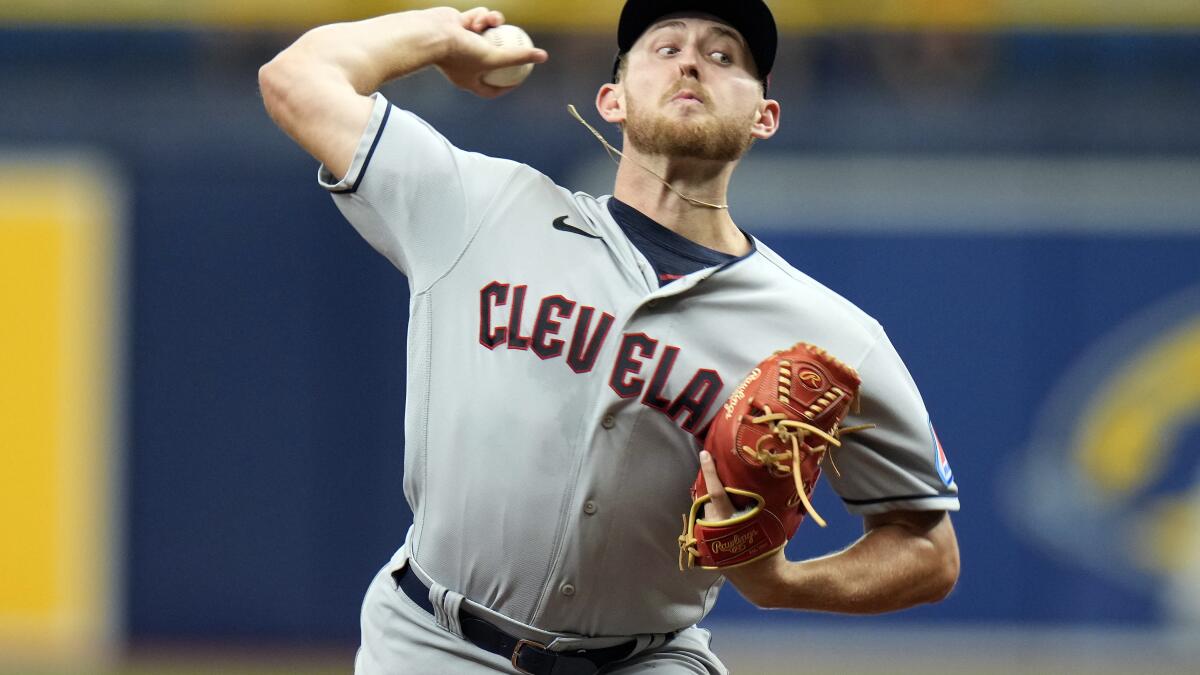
{"points": [[557, 394]]}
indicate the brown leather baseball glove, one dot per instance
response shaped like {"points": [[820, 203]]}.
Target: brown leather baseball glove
{"points": [[768, 443]]}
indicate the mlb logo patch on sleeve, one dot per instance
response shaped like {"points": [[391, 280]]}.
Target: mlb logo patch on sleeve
{"points": [[943, 464]]}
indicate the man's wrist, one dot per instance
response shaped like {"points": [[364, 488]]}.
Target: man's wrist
{"points": [[428, 37], [377, 50], [763, 582], [424, 31]]}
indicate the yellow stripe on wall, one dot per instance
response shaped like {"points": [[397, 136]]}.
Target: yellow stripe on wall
{"points": [[600, 15], [58, 460]]}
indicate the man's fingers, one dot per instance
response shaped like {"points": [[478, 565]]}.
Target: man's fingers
{"points": [[516, 56], [471, 16], [504, 58], [720, 507], [480, 19], [488, 20], [475, 55]]}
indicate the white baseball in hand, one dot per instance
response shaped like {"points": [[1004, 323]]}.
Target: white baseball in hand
{"points": [[507, 35]]}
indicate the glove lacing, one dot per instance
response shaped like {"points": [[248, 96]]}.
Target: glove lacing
{"points": [[793, 432]]}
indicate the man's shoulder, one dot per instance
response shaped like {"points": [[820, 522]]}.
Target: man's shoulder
{"points": [[403, 124], [521, 174], [796, 287]]}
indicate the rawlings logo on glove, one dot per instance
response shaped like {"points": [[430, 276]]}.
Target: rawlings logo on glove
{"points": [[768, 445]]}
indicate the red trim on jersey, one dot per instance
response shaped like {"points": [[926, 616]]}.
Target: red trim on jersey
{"points": [[626, 364], [658, 381], [581, 356], [491, 337], [544, 326], [517, 310], [697, 398]]}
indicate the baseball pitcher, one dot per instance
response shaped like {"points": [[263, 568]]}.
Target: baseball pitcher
{"points": [[614, 403]]}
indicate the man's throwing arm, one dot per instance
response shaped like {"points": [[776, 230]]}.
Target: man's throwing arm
{"points": [[317, 90]]}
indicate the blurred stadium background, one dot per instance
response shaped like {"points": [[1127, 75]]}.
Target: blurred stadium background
{"points": [[201, 364]]}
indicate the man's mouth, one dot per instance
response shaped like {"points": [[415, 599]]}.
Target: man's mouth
{"points": [[687, 95]]}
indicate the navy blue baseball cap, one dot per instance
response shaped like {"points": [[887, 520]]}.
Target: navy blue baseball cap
{"points": [[751, 18]]}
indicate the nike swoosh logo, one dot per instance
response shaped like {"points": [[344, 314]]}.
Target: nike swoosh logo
{"points": [[560, 224]]}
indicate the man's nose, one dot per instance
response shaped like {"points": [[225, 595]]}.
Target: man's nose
{"points": [[689, 63]]}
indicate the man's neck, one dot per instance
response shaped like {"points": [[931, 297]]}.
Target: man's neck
{"points": [[700, 180]]}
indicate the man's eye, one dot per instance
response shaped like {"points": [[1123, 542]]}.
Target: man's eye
{"points": [[667, 51], [722, 58]]}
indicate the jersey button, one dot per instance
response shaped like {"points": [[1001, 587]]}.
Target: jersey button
{"points": [[590, 508], [609, 421], [567, 589]]}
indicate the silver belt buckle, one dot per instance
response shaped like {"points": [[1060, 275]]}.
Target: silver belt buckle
{"points": [[517, 653]]}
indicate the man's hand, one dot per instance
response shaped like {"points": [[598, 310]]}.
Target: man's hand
{"points": [[468, 56], [765, 573]]}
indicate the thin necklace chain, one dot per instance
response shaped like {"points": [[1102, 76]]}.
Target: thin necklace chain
{"points": [[614, 153]]}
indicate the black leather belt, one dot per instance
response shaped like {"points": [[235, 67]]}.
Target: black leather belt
{"points": [[526, 656]]}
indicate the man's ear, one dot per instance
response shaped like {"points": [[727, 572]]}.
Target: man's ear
{"points": [[610, 103], [766, 122]]}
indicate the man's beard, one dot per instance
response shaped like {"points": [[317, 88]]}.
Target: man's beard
{"points": [[711, 137]]}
